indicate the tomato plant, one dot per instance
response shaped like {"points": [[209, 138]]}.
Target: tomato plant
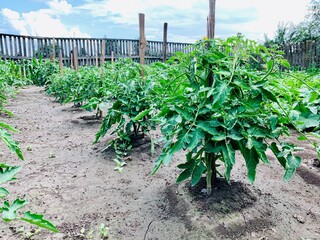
{"points": [[212, 123]]}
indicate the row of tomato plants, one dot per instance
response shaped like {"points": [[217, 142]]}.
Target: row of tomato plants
{"points": [[12, 78], [226, 96]]}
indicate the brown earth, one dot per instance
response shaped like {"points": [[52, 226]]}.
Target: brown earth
{"points": [[68, 179]]}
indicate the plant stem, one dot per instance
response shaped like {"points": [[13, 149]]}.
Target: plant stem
{"points": [[209, 173]]}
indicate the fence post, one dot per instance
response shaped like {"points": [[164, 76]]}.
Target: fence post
{"points": [[142, 42], [75, 59], [165, 40], [210, 80], [60, 62], [103, 50]]}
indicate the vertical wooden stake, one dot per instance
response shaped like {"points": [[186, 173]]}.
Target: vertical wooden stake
{"points": [[60, 62], [211, 18], [165, 41], [71, 60], [210, 157], [75, 59], [97, 62], [112, 57], [53, 50], [142, 42], [103, 51]]}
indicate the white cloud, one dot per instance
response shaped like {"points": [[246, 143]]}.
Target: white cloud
{"points": [[40, 23], [254, 17], [59, 7], [15, 20]]}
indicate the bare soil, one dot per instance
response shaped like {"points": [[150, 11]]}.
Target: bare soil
{"points": [[74, 185]]}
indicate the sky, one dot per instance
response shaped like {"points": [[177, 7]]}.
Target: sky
{"points": [[186, 19]]}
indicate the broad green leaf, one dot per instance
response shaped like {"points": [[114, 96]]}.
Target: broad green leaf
{"points": [[182, 141], [209, 126], [164, 158], [184, 113], [270, 65], [8, 173], [235, 136], [261, 149], [269, 95], [251, 158], [311, 121], [197, 173], [13, 145], [302, 138], [141, 115], [228, 155], [8, 127], [37, 219], [9, 212], [220, 94], [3, 192], [197, 137], [185, 175], [274, 148], [292, 163]]}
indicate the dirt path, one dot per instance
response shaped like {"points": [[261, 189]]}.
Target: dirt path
{"points": [[75, 186]]}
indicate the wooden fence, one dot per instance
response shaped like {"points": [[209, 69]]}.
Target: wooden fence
{"points": [[303, 55], [17, 47]]}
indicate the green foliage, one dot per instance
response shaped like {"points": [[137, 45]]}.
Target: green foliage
{"points": [[39, 71], [212, 122], [130, 110]]}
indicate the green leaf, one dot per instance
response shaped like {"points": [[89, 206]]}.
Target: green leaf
{"points": [[261, 149], [197, 173], [37, 219], [309, 122], [292, 163], [274, 148], [13, 145], [228, 155], [8, 173], [141, 115], [182, 141], [252, 159], [220, 94], [185, 175], [184, 113], [3, 192], [270, 65], [9, 213], [302, 138], [8, 127], [197, 137], [164, 158], [269, 95], [209, 126]]}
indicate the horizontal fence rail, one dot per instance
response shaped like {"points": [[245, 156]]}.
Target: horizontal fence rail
{"points": [[18, 47], [303, 55]]}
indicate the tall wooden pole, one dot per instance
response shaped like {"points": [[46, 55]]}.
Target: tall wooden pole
{"points": [[60, 62], [211, 18], [210, 157], [142, 42], [165, 41], [103, 51], [75, 59]]}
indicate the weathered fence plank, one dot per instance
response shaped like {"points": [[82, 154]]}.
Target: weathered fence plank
{"points": [[17, 47], [303, 55]]}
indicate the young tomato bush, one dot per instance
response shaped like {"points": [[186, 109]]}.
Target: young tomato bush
{"points": [[131, 108], [232, 113]]}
